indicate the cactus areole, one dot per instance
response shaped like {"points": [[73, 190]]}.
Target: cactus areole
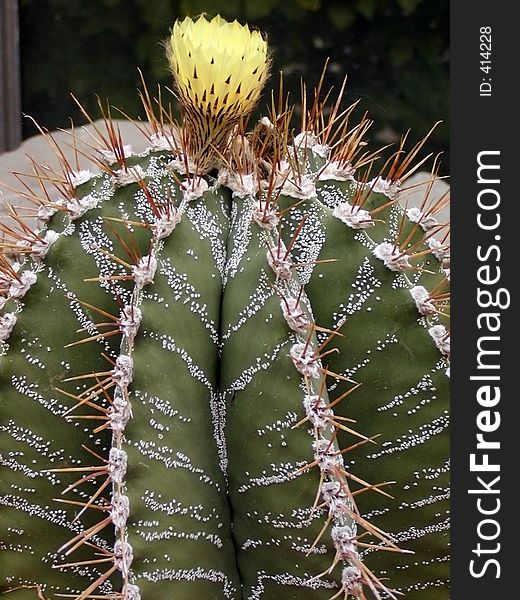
{"points": [[224, 360]]}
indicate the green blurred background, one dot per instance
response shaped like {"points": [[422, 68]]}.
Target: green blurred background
{"points": [[395, 53]]}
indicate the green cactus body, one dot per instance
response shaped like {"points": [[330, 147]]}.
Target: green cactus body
{"points": [[253, 387]]}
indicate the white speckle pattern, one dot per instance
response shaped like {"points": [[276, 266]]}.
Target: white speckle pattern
{"points": [[364, 285], [255, 302], [288, 580], [318, 413], [168, 343], [425, 386], [208, 228], [308, 244], [218, 412], [182, 290], [411, 439], [194, 574], [240, 241]]}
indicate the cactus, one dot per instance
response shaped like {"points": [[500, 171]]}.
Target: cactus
{"points": [[224, 360]]}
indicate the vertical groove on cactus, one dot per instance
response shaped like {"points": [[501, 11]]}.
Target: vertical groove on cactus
{"points": [[224, 360]]}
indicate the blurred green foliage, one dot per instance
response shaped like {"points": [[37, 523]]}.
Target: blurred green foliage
{"points": [[395, 53]]}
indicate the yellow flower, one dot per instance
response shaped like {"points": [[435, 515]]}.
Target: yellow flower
{"points": [[219, 69]]}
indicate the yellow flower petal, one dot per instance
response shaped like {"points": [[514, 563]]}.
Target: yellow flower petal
{"points": [[219, 69]]}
